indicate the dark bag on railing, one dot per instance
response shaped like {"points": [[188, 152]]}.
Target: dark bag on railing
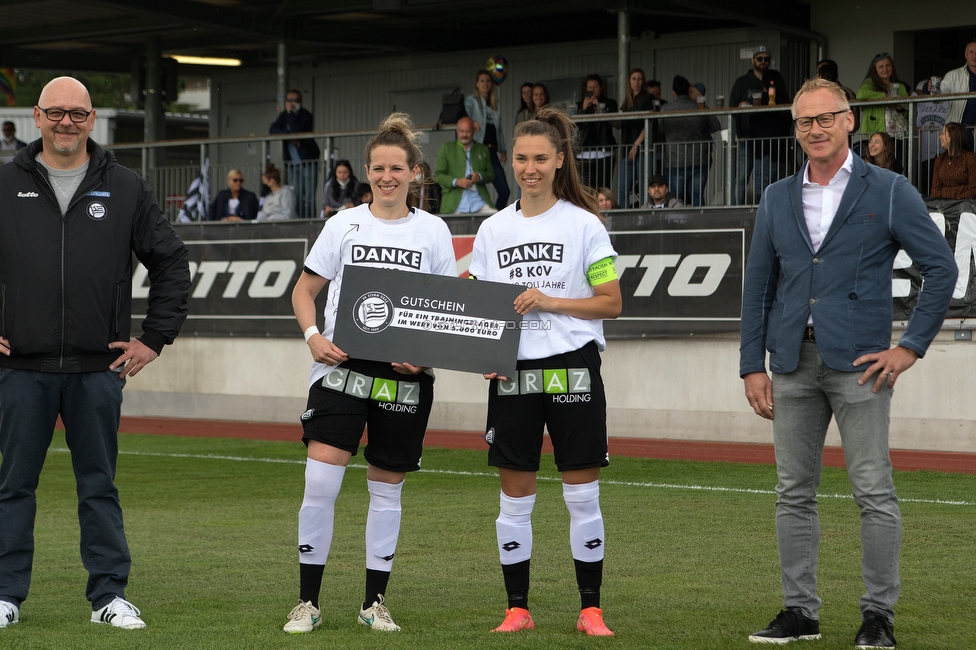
{"points": [[452, 108]]}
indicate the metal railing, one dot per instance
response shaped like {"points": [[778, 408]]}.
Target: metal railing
{"points": [[721, 172]]}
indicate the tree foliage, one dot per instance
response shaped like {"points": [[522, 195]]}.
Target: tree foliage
{"points": [[107, 90]]}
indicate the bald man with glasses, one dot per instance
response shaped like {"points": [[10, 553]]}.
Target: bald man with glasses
{"points": [[73, 221], [817, 297]]}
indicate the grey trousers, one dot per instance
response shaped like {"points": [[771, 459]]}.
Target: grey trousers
{"points": [[804, 401], [90, 406]]}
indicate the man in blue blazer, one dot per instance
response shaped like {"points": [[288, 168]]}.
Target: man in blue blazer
{"points": [[817, 296], [463, 171]]}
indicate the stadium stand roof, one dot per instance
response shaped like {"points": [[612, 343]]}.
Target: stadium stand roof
{"points": [[104, 35]]}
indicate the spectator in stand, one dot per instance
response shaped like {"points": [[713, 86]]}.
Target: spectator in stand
{"points": [[428, 198], [695, 91], [235, 203], [341, 190], [596, 152], [280, 203], [526, 109], [365, 194], [301, 156], [954, 176], [482, 107], [689, 144], [930, 117], [463, 171], [963, 80], [10, 145], [632, 139], [765, 135], [654, 90], [657, 138], [659, 196], [606, 200], [880, 82], [540, 97], [880, 152]]}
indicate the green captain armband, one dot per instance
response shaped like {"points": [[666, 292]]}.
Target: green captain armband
{"points": [[601, 272]]}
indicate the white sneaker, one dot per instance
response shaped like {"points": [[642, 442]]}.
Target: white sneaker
{"points": [[377, 616], [9, 614], [303, 618], [119, 613]]}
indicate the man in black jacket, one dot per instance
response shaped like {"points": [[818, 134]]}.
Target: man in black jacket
{"points": [[71, 221], [301, 155], [596, 138]]}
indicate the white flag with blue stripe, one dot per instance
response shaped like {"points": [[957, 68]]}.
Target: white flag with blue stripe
{"points": [[197, 197]]}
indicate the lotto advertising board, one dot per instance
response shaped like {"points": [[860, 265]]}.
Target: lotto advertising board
{"points": [[680, 272]]}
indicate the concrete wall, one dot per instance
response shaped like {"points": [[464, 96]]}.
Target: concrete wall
{"points": [[685, 389]]}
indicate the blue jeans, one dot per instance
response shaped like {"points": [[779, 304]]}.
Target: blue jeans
{"points": [[805, 400], [687, 182], [500, 182], [631, 179], [749, 158], [303, 177], [90, 404]]}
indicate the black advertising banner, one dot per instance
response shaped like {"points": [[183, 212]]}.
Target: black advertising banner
{"points": [[957, 221], [242, 276], [428, 320], [680, 271]]}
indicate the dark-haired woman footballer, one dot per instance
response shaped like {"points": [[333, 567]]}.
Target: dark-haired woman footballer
{"points": [[558, 383]]}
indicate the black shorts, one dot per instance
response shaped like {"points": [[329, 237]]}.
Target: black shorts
{"points": [[370, 394], [563, 393]]}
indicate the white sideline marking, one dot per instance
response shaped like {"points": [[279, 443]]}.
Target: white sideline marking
{"points": [[663, 486]]}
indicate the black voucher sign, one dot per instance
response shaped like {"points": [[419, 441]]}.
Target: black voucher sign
{"points": [[428, 320]]}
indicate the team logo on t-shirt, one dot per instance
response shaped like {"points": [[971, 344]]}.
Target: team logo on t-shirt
{"points": [[373, 312], [386, 255], [97, 210], [535, 252]]}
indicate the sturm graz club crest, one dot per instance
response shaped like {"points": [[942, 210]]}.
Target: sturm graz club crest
{"points": [[373, 312], [97, 210]]}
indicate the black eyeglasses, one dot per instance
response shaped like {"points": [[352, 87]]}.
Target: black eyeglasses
{"points": [[57, 114], [763, 59], [883, 55], [825, 120]]}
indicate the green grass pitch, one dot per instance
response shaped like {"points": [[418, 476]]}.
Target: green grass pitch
{"points": [[691, 555]]}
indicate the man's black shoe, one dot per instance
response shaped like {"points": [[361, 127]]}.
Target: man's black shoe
{"points": [[876, 632], [789, 625]]}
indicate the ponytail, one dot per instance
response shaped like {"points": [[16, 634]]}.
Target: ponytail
{"points": [[556, 125]]}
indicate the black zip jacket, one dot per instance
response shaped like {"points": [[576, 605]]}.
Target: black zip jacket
{"points": [[66, 280]]}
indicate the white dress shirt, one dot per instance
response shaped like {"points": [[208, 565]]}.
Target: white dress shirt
{"points": [[820, 203]]}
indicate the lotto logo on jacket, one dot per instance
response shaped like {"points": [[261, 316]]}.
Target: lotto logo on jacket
{"points": [[564, 384]]}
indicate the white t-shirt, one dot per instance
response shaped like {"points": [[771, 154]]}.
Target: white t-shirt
{"points": [[551, 252], [420, 243]]}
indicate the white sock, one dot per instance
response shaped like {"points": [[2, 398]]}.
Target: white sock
{"points": [[514, 528], [317, 516], [382, 524], [585, 521]]}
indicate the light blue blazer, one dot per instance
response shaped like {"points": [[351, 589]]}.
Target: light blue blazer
{"points": [[846, 284]]}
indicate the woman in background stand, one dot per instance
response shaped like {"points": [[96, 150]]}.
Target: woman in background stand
{"points": [[482, 107]]}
